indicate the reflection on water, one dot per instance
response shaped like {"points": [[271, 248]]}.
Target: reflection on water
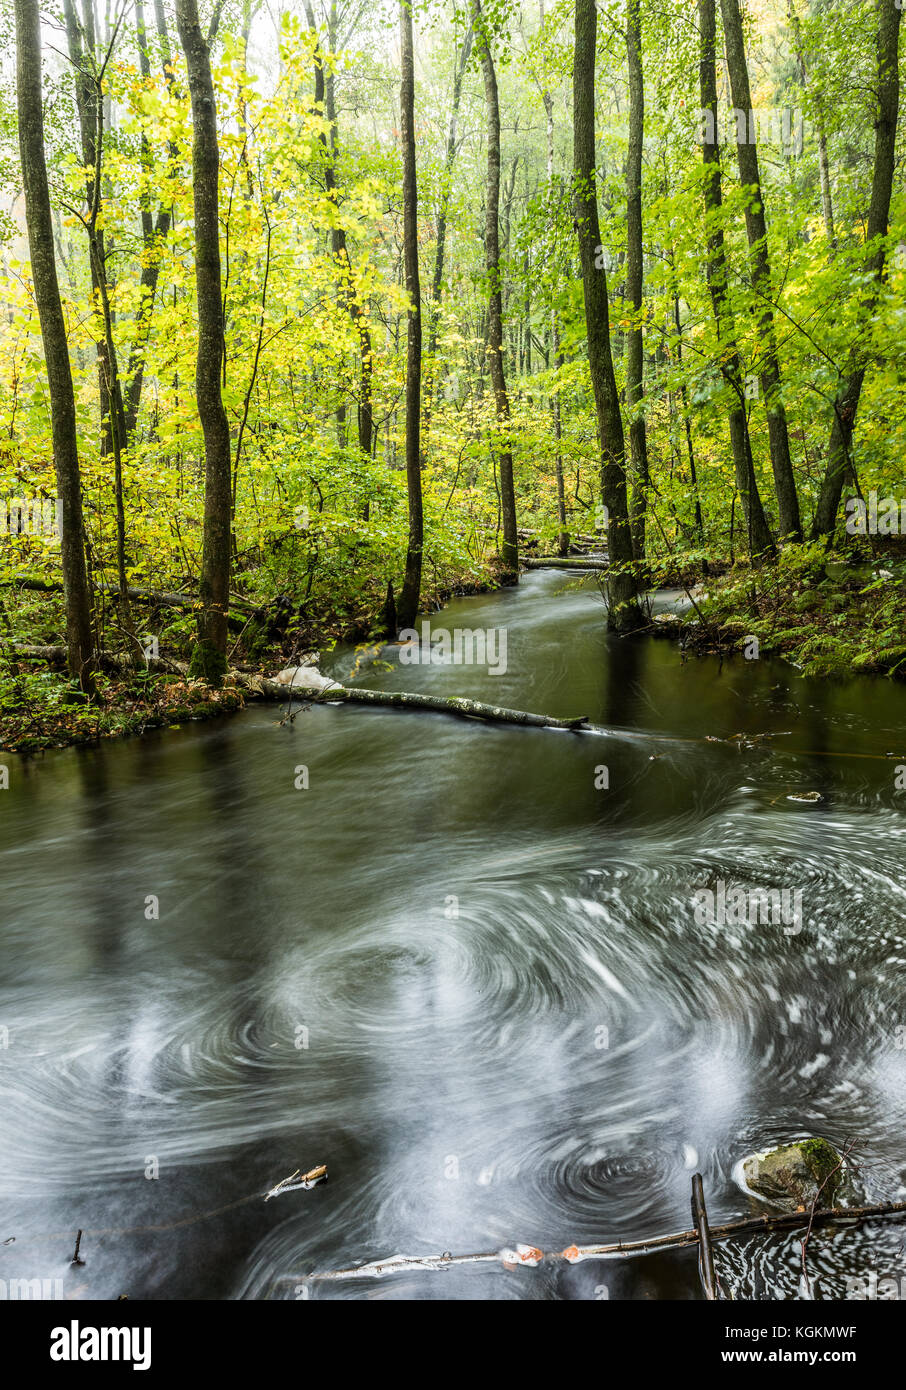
{"points": [[455, 970]]}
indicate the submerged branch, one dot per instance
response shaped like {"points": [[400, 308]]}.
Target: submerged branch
{"points": [[573, 1254]]}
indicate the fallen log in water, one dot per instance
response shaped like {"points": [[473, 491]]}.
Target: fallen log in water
{"points": [[555, 562], [319, 690], [574, 1254], [402, 699]]}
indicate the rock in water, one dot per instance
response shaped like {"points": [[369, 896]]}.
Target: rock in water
{"points": [[302, 678], [792, 1175]]}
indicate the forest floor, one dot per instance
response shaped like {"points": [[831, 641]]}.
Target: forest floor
{"points": [[829, 615]]}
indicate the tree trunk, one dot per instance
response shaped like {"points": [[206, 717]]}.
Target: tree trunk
{"points": [[29, 92], [407, 606], [91, 109], [440, 251], [638, 441], [90, 115], [563, 537], [509, 551], [827, 203], [154, 236], [623, 613], [847, 403], [441, 245], [757, 232], [757, 530], [209, 656], [325, 98]]}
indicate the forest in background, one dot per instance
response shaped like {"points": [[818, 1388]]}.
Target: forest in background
{"points": [[317, 314]]}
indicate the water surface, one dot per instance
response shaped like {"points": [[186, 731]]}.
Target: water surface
{"points": [[456, 970]]}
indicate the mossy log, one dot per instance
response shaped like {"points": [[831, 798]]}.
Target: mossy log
{"points": [[554, 562], [264, 688], [401, 699]]}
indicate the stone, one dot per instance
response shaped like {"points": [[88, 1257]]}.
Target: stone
{"points": [[304, 678], [791, 1176]]}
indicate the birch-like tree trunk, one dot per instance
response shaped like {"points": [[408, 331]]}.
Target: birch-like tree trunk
{"points": [[209, 656], [407, 605]]}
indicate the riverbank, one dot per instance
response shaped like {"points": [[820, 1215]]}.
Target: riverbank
{"points": [[831, 616]]}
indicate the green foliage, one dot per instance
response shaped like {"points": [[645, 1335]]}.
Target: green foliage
{"points": [[322, 526]]}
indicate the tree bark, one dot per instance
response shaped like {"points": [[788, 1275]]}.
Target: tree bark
{"points": [[503, 449], [827, 202], [440, 250], [29, 95], [757, 233], [325, 98], [91, 111], [847, 402], [441, 244], [757, 530], [209, 656], [154, 235], [638, 441], [623, 612], [556, 419], [90, 114], [407, 604]]}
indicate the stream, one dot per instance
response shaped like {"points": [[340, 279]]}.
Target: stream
{"points": [[459, 971]]}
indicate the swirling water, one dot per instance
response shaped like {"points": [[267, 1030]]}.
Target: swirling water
{"points": [[456, 969]]}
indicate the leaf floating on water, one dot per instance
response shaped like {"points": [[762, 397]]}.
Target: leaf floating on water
{"points": [[524, 1255], [299, 1182], [808, 797]]}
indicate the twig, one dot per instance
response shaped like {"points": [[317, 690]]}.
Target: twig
{"points": [[705, 1256]]}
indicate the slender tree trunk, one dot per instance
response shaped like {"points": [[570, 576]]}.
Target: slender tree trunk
{"points": [[79, 36], [509, 551], [684, 397], [827, 202], [846, 405], [757, 232], [757, 530], [638, 441], [324, 96], [446, 188], [407, 605], [623, 614], [92, 110], [29, 93], [209, 656], [563, 536], [154, 236]]}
